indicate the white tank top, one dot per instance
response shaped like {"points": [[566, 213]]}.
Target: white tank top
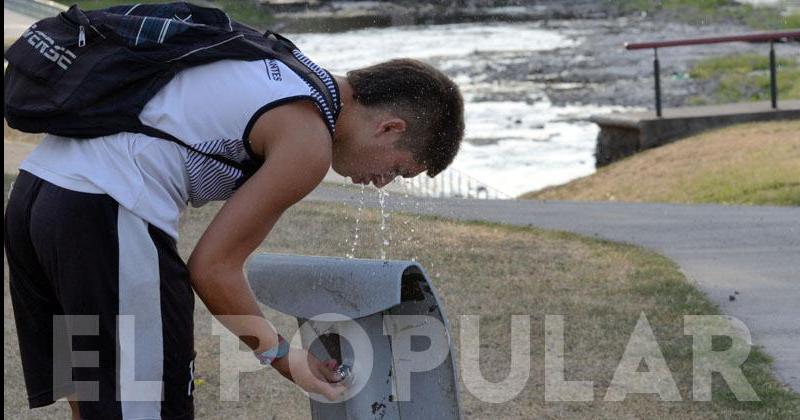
{"points": [[210, 107]]}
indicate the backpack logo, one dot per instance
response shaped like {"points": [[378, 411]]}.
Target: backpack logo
{"points": [[45, 46]]}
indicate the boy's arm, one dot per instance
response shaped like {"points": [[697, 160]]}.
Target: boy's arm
{"points": [[297, 146]]}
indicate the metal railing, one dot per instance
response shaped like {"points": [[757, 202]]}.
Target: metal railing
{"points": [[451, 183], [771, 37]]}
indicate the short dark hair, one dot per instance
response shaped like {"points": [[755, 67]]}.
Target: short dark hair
{"points": [[429, 102]]}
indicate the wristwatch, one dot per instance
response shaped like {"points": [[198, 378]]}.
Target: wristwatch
{"points": [[269, 356]]}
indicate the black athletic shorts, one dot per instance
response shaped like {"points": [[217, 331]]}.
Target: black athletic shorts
{"points": [[102, 303]]}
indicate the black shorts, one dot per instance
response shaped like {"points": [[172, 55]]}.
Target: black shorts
{"points": [[102, 303]]}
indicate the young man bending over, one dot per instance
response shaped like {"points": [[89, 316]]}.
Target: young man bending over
{"points": [[91, 225]]}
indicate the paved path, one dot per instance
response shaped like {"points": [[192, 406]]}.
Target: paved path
{"points": [[724, 249]]}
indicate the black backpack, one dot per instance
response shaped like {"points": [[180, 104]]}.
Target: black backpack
{"points": [[85, 74]]}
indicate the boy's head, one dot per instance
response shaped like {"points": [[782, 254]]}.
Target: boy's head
{"points": [[403, 117]]}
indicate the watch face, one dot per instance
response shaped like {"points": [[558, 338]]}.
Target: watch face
{"points": [[345, 373]]}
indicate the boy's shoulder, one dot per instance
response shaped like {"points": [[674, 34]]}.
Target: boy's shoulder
{"points": [[296, 122]]}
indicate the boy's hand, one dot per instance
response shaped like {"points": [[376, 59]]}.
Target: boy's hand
{"points": [[311, 374]]}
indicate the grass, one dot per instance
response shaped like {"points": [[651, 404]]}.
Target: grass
{"points": [[745, 77], [755, 163], [12, 135], [245, 11], [706, 11], [495, 271]]}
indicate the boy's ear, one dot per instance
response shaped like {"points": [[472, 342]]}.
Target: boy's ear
{"points": [[395, 125]]}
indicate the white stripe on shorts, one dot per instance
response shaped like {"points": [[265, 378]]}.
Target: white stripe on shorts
{"points": [[139, 328]]}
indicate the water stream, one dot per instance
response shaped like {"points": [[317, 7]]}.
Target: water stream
{"points": [[383, 195], [357, 225]]}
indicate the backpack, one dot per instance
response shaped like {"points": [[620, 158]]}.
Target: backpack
{"points": [[85, 74]]}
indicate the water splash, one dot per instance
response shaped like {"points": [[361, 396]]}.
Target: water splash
{"points": [[345, 240], [385, 234], [357, 228]]}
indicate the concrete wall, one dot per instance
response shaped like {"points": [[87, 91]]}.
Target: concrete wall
{"points": [[622, 135]]}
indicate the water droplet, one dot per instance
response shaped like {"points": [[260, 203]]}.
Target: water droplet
{"points": [[385, 240], [357, 228]]}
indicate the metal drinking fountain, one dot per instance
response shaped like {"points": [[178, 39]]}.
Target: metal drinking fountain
{"points": [[381, 320]]}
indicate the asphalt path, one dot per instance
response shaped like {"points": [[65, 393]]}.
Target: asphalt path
{"points": [[748, 253]]}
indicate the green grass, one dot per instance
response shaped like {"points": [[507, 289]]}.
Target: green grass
{"points": [[245, 11], [756, 164], [706, 11], [495, 271], [745, 77], [732, 187]]}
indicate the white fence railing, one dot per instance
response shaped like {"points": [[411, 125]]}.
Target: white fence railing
{"points": [[450, 183]]}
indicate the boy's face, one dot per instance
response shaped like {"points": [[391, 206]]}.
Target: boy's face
{"points": [[364, 148], [383, 167]]}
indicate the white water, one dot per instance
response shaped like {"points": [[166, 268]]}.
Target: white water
{"points": [[386, 233], [357, 225], [516, 140]]}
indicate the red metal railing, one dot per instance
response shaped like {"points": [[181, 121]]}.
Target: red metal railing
{"points": [[771, 37]]}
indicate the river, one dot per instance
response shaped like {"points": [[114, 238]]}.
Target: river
{"points": [[530, 87]]}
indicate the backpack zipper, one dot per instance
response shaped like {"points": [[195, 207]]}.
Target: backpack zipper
{"points": [[81, 37]]}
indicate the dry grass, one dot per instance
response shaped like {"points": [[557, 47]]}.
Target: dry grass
{"points": [[16, 146], [494, 271], [747, 164], [14, 136]]}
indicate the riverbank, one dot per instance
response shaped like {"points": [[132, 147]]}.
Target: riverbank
{"points": [[335, 16], [745, 78], [341, 16]]}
